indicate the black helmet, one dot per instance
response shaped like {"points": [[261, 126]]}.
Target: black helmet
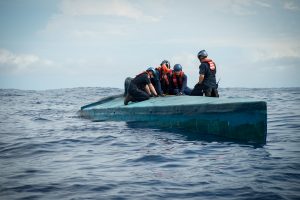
{"points": [[165, 62], [202, 54], [177, 68]]}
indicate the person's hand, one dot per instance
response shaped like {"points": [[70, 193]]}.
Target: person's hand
{"points": [[162, 95], [197, 84], [154, 95]]}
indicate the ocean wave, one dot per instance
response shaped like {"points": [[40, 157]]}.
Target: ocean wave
{"points": [[48, 152]]}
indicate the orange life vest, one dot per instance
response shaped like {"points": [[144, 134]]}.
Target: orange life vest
{"points": [[174, 77], [212, 65], [163, 76]]}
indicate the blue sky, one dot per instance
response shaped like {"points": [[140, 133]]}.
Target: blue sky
{"points": [[93, 43]]}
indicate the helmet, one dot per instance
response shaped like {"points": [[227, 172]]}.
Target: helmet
{"points": [[165, 62], [151, 69], [177, 68], [202, 54]]}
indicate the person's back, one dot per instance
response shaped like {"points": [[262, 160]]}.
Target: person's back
{"points": [[141, 80], [208, 68]]}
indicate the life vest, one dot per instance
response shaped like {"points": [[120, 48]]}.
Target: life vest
{"points": [[174, 78], [212, 65], [163, 76]]}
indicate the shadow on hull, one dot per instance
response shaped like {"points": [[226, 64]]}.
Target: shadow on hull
{"points": [[190, 135]]}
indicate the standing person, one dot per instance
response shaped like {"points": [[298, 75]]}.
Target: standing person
{"points": [[164, 76], [140, 88], [207, 77], [179, 81]]}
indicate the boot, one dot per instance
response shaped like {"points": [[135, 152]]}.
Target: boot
{"points": [[127, 99]]}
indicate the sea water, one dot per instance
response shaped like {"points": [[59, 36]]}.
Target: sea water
{"points": [[48, 152]]}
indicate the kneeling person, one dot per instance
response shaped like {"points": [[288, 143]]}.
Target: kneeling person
{"points": [[140, 88], [179, 81], [207, 77]]}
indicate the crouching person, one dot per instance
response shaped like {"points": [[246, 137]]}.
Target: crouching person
{"points": [[140, 88]]}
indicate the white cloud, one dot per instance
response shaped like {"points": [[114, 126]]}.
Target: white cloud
{"points": [[275, 49], [265, 4], [121, 8], [291, 5], [21, 63], [240, 7], [98, 19], [258, 49]]}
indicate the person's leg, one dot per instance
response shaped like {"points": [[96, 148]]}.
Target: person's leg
{"points": [[197, 91], [175, 91], [130, 90], [126, 85], [207, 92], [139, 95], [187, 91], [215, 93]]}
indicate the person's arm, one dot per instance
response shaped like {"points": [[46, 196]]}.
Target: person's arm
{"points": [[184, 83], [202, 72], [158, 84], [148, 83], [158, 87], [201, 78], [152, 89], [147, 89]]}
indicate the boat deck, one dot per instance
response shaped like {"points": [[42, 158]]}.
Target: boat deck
{"points": [[168, 101]]}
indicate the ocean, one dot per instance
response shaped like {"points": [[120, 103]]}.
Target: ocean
{"points": [[48, 152]]}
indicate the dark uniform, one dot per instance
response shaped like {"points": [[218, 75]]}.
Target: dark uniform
{"points": [[136, 87], [208, 85]]}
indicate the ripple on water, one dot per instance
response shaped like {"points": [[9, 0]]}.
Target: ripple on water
{"points": [[47, 152]]}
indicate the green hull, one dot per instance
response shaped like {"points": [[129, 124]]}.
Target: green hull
{"points": [[239, 119]]}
